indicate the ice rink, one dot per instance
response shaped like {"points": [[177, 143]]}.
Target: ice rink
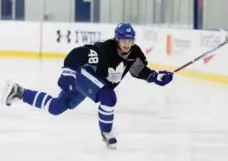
{"points": [[185, 121]]}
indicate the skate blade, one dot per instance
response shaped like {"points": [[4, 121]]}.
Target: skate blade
{"points": [[7, 89], [112, 146]]}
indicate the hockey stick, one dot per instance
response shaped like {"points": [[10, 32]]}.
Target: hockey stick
{"points": [[201, 56]]}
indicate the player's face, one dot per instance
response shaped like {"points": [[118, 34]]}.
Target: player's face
{"points": [[125, 45]]}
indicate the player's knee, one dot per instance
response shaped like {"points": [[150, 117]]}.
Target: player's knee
{"points": [[55, 110], [107, 97], [57, 107]]}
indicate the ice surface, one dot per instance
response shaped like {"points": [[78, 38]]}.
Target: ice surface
{"points": [[185, 121]]}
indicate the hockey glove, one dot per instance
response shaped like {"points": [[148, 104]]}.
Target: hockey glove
{"points": [[67, 79], [161, 78]]}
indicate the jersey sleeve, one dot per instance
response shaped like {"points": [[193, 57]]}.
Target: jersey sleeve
{"points": [[139, 68]]}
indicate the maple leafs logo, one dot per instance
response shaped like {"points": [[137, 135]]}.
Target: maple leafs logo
{"points": [[115, 75]]}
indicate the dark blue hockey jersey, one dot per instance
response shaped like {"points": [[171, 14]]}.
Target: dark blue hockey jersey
{"points": [[107, 63]]}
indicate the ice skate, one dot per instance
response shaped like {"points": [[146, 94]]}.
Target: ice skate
{"points": [[109, 139], [12, 93]]}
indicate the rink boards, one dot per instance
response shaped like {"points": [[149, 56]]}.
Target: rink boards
{"points": [[165, 48]]}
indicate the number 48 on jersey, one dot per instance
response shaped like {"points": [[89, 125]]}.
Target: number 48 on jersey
{"points": [[93, 57]]}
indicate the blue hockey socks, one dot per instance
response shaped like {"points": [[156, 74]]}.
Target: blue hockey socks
{"points": [[37, 99], [107, 98], [55, 106]]}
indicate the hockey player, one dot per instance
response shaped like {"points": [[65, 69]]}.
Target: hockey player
{"points": [[94, 71]]}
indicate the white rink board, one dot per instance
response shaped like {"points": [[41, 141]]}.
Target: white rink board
{"points": [[80, 34], [20, 36], [60, 38]]}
